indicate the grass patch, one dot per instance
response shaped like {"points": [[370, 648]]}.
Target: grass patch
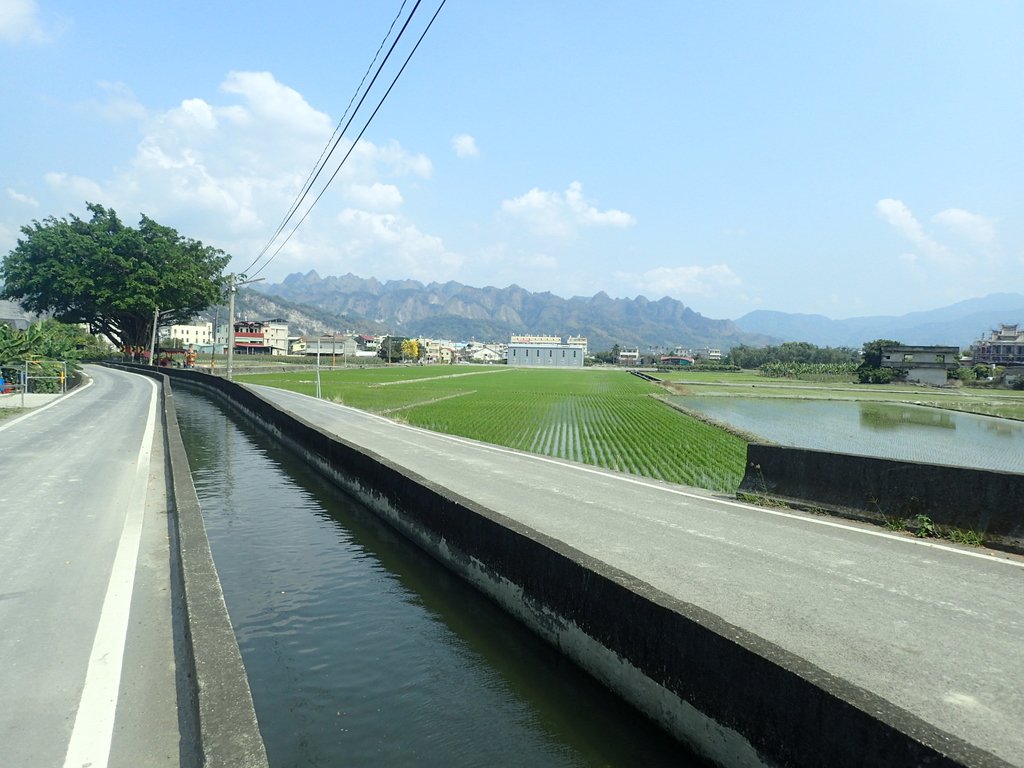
{"points": [[761, 500]]}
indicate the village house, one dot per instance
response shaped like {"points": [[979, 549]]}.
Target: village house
{"points": [[925, 365]]}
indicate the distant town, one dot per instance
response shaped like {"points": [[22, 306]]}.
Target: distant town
{"points": [[1003, 347]]}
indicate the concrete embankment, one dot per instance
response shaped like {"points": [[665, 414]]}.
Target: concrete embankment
{"points": [[877, 490], [735, 697], [223, 729]]}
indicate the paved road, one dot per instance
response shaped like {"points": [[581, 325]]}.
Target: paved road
{"points": [[935, 629], [86, 645]]}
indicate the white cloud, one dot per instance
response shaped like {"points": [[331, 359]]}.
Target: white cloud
{"points": [[562, 214], [374, 196], [973, 238], [906, 224], [228, 170], [465, 146], [77, 187], [20, 198], [20, 23], [971, 226], [392, 240], [118, 102], [276, 104], [691, 280]]}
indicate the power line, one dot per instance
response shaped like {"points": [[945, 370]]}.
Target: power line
{"points": [[328, 149], [340, 135]]}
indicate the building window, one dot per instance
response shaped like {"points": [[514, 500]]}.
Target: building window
{"points": [[908, 358]]}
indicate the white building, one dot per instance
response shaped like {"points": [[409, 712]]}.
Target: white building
{"points": [[629, 357], [578, 341], [196, 334]]}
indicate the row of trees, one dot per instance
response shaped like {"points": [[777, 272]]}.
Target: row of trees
{"points": [[744, 356], [394, 349], [116, 279]]}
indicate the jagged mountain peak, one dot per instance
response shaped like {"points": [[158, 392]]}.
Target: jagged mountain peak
{"points": [[458, 311]]}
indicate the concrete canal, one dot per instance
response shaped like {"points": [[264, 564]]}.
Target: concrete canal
{"points": [[361, 650]]}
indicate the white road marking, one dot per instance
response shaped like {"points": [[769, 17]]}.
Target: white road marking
{"points": [[94, 720], [675, 491], [41, 408]]}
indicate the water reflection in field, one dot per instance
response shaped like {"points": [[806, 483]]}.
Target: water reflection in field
{"points": [[890, 430], [363, 651]]}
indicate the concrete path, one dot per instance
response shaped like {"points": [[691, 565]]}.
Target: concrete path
{"points": [[30, 400], [935, 629], [85, 601]]}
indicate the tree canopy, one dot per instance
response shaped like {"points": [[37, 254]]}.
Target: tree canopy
{"points": [[111, 276], [870, 371], [790, 352]]}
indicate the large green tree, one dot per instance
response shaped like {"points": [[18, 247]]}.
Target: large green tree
{"points": [[870, 371], [113, 277]]}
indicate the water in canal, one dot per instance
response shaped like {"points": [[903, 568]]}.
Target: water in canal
{"points": [[362, 651]]}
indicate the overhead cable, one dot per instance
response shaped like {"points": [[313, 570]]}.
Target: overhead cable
{"points": [[329, 147], [340, 135]]}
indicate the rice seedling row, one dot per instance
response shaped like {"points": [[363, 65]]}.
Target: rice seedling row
{"points": [[603, 418]]}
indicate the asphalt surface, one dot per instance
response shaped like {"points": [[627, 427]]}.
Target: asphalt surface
{"points": [[936, 629], [85, 601]]}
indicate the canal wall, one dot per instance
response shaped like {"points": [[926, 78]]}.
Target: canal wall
{"points": [[734, 697], [880, 490], [221, 725]]}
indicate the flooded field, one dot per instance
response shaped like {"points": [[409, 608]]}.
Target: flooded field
{"points": [[888, 430]]}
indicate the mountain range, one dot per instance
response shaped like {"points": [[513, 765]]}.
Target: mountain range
{"points": [[455, 311], [958, 324], [315, 304]]}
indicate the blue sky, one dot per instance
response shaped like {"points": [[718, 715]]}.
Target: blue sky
{"points": [[846, 159]]}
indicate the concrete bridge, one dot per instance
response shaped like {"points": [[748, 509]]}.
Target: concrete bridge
{"points": [[758, 636]]}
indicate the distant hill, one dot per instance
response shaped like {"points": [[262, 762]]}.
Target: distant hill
{"points": [[461, 312], [303, 319], [959, 324]]}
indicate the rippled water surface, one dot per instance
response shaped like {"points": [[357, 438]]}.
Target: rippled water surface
{"points": [[362, 651], [888, 430]]}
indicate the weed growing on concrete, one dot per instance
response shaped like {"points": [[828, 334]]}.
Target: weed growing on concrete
{"points": [[923, 526], [762, 500], [895, 523], [961, 536]]}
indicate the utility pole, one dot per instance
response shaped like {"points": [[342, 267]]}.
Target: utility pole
{"points": [[152, 340], [233, 286]]}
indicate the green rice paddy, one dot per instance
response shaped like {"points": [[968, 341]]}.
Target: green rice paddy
{"points": [[605, 418]]}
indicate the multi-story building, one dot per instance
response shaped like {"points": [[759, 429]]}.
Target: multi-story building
{"points": [[543, 352], [1002, 347], [927, 365], [578, 341], [197, 335], [260, 337], [629, 357]]}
